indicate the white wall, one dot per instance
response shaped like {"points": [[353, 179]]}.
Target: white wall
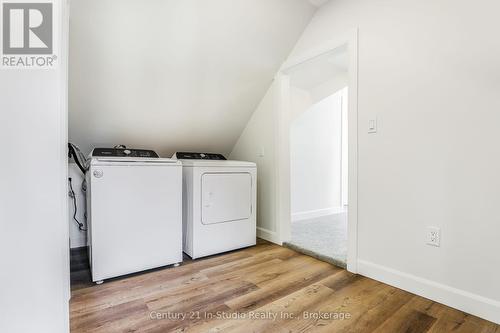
{"points": [[77, 237], [256, 144], [315, 159], [175, 75], [34, 274], [345, 147], [428, 70], [300, 101], [336, 83]]}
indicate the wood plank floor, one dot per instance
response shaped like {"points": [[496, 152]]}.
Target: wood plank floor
{"points": [[266, 288]]}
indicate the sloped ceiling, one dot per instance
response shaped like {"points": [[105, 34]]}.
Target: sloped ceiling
{"points": [[318, 3], [174, 75]]}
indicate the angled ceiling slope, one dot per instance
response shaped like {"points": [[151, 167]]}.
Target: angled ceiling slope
{"points": [[174, 74], [318, 3]]}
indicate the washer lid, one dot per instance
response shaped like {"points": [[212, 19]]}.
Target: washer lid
{"points": [[211, 163]]}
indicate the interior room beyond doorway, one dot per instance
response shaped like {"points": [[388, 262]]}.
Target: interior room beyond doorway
{"points": [[318, 157]]}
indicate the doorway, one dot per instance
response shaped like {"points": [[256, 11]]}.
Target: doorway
{"points": [[317, 154]]}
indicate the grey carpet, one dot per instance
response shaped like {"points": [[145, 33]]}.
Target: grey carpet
{"points": [[324, 238]]}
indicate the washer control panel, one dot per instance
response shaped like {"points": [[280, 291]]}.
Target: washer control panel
{"points": [[200, 156], [118, 152]]}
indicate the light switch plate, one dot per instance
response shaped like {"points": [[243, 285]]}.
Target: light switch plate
{"points": [[372, 126]]}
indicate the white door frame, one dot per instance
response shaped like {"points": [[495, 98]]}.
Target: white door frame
{"points": [[282, 137], [64, 37]]}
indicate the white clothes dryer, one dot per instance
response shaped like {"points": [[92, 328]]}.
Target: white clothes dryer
{"points": [[219, 204]]}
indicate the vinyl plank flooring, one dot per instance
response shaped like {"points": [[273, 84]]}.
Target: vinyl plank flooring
{"points": [[226, 293]]}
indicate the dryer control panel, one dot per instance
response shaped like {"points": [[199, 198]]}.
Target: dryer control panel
{"points": [[200, 156], [119, 152]]}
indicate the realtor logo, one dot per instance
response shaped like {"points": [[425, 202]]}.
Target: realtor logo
{"points": [[27, 28], [27, 35]]}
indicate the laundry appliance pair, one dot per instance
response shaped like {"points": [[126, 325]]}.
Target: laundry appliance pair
{"points": [[143, 211]]}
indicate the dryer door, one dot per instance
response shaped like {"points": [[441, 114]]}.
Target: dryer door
{"points": [[226, 197]]}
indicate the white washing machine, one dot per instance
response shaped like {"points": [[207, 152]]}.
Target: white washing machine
{"points": [[219, 204], [134, 210]]}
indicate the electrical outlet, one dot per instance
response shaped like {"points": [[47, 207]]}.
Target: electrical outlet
{"points": [[433, 236]]}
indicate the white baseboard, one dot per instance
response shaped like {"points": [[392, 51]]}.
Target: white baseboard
{"points": [[311, 214], [474, 304], [268, 235]]}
